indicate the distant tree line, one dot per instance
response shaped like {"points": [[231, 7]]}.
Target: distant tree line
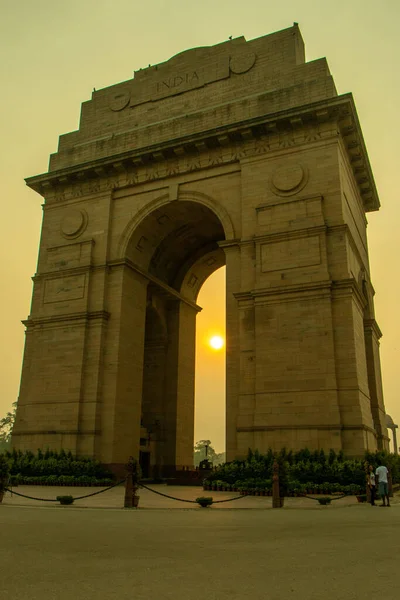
{"points": [[6, 427], [204, 449]]}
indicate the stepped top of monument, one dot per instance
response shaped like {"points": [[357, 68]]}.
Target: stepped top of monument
{"points": [[184, 95], [206, 98]]}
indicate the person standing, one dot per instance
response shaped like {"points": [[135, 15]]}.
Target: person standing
{"points": [[382, 474], [372, 484]]}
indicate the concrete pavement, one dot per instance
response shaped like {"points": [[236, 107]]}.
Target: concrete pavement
{"points": [[64, 553]]}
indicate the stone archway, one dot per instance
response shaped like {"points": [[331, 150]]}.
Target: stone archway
{"points": [[170, 253], [240, 153]]}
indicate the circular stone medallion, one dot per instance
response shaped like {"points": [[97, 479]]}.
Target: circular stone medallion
{"points": [[288, 179], [119, 100], [242, 62], [73, 223]]}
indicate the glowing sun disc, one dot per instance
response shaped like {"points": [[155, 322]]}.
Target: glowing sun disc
{"points": [[216, 342]]}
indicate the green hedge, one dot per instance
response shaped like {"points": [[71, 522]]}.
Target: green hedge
{"points": [[294, 488], [59, 480], [55, 464], [304, 467]]}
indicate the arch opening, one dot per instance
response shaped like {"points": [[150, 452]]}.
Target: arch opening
{"points": [[177, 248], [172, 238], [210, 385]]}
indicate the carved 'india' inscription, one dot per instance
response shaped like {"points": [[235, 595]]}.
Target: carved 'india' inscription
{"points": [[178, 81]]}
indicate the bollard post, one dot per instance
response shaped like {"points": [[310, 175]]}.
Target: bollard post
{"points": [[134, 474], [276, 496], [128, 500]]}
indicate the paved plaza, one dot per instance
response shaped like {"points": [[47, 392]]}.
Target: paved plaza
{"points": [[48, 552]]}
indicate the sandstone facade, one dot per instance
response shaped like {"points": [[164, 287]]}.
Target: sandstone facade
{"points": [[240, 154]]}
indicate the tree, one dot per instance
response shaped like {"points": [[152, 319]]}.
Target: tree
{"points": [[6, 427], [200, 453]]}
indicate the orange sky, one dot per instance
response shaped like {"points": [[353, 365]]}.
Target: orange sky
{"points": [[52, 55]]}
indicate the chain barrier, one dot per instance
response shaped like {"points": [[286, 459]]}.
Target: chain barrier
{"points": [[30, 497], [317, 499], [101, 491], [77, 498], [184, 500], [142, 485], [165, 495], [228, 499]]}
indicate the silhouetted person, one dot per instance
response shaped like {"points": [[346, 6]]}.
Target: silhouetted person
{"points": [[382, 474]]}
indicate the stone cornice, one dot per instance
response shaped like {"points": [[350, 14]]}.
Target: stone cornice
{"points": [[285, 292], [250, 137], [297, 427], [101, 315], [349, 287], [344, 287], [56, 431], [371, 324]]}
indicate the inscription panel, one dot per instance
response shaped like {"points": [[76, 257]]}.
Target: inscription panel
{"points": [[70, 256], [290, 254], [291, 215], [64, 288]]}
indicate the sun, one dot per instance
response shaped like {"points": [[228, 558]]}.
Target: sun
{"points": [[216, 342]]}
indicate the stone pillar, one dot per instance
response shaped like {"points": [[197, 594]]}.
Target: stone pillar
{"points": [[232, 254], [123, 366], [371, 336], [179, 387], [396, 450]]}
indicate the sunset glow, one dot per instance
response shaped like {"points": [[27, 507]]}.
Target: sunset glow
{"points": [[216, 342]]}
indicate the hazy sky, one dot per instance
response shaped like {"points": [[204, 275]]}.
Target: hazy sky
{"points": [[52, 54]]}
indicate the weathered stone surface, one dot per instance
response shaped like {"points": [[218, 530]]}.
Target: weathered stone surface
{"points": [[240, 154]]}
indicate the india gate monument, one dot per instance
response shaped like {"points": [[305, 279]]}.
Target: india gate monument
{"points": [[239, 154]]}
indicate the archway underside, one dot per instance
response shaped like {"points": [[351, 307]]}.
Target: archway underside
{"points": [[177, 245]]}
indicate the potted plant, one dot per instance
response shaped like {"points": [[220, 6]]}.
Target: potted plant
{"points": [[361, 497], [325, 500], [65, 500], [204, 501], [4, 475]]}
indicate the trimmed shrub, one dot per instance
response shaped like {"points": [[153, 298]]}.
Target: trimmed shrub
{"points": [[55, 464]]}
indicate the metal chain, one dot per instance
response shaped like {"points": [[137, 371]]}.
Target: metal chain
{"points": [[165, 495], [30, 497], [154, 492], [101, 491], [77, 498], [183, 499], [317, 499]]}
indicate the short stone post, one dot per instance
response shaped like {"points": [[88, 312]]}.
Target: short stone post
{"points": [[367, 488], [129, 493], [276, 496], [134, 474]]}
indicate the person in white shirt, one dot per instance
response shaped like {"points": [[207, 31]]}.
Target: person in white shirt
{"points": [[382, 474]]}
